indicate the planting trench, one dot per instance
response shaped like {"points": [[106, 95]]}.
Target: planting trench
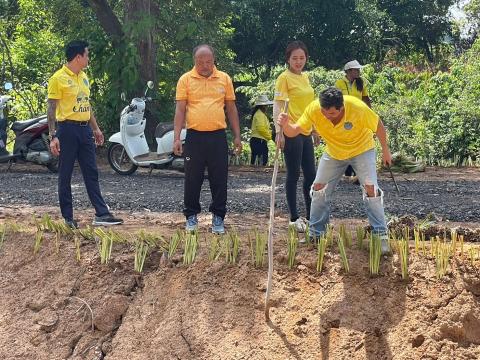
{"points": [[215, 311]]}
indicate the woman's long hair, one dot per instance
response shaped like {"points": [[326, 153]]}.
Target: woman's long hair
{"points": [[359, 84]]}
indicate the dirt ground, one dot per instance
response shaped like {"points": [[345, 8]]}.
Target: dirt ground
{"points": [[49, 302]]}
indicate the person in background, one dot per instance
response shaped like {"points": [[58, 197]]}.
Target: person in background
{"points": [[74, 132], [293, 84], [261, 131], [353, 84], [203, 96], [347, 126]]}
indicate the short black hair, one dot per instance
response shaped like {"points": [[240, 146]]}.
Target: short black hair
{"points": [[331, 97], [198, 47], [74, 48]]}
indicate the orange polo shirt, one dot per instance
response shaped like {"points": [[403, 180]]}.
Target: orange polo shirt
{"points": [[205, 99]]}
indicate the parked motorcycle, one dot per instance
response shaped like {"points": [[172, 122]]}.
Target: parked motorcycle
{"points": [[31, 138], [128, 148]]}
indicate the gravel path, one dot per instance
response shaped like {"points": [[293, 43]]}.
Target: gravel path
{"points": [[453, 197]]}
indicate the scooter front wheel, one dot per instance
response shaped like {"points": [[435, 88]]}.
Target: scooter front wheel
{"points": [[119, 160]]}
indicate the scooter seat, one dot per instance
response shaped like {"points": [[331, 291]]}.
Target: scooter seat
{"points": [[22, 125], [162, 129]]}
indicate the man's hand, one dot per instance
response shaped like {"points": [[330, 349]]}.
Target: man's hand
{"points": [[99, 139], [237, 143], [280, 140], [177, 147], [55, 147], [282, 119], [387, 157]]}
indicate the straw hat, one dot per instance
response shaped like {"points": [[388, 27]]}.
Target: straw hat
{"points": [[354, 64], [263, 100]]}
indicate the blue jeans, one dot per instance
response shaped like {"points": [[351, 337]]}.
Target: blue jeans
{"points": [[329, 173]]}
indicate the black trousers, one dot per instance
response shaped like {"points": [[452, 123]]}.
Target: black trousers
{"points": [[206, 149], [259, 149], [298, 152], [349, 171], [76, 143]]}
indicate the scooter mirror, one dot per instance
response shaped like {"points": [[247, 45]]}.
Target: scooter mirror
{"points": [[8, 86], [123, 96], [150, 84]]}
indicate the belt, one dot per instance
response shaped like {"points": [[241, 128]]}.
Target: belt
{"points": [[74, 122]]}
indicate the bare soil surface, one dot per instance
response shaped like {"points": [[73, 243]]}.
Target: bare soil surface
{"points": [[212, 310], [55, 307]]}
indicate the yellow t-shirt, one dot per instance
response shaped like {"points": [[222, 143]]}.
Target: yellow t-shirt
{"points": [[352, 136], [205, 99], [261, 126], [349, 88], [297, 89], [73, 93]]}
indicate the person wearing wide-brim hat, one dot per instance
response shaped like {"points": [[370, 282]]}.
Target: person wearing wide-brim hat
{"points": [[354, 85], [261, 131]]}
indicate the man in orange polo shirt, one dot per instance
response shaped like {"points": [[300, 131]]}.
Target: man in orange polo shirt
{"points": [[203, 95]]}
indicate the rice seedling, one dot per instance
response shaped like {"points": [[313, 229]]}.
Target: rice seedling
{"points": [[260, 244], [343, 254], [423, 242], [416, 238], [105, 242], [329, 234], [292, 244], [460, 238], [190, 248], [87, 233], [345, 235], [38, 241], [214, 248], [308, 239], [174, 241], [406, 233], [322, 245], [442, 257], [471, 251], [360, 231], [375, 252], [454, 241], [141, 251], [77, 242], [3, 232], [232, 247], [403, 249]]}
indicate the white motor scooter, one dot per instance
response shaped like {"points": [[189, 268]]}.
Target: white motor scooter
{"points": [[128, 148]]}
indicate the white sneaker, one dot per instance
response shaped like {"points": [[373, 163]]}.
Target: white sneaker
{"points": [[300, 225]]}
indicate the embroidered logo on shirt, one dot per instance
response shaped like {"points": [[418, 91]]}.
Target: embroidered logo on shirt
{"points": [[348, 125]]}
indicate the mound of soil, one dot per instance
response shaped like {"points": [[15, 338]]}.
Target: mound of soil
{"points": [[214, 310]]}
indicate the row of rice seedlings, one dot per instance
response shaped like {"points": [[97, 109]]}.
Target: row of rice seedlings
{"points": [[345, 236], [442, 258], [375, 253], [343, 254], [292, 244], [190, 247], [232, 247], [360, 232], [322, 245], [403, 249], [177, 237]]}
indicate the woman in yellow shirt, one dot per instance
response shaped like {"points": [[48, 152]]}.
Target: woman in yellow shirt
{"points": [[353, 84], [293, 84], [261, 132]]}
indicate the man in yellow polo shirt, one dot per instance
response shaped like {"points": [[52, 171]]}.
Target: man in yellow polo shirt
{"points": [[347, 125], [203, 95], [72, 128]]}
